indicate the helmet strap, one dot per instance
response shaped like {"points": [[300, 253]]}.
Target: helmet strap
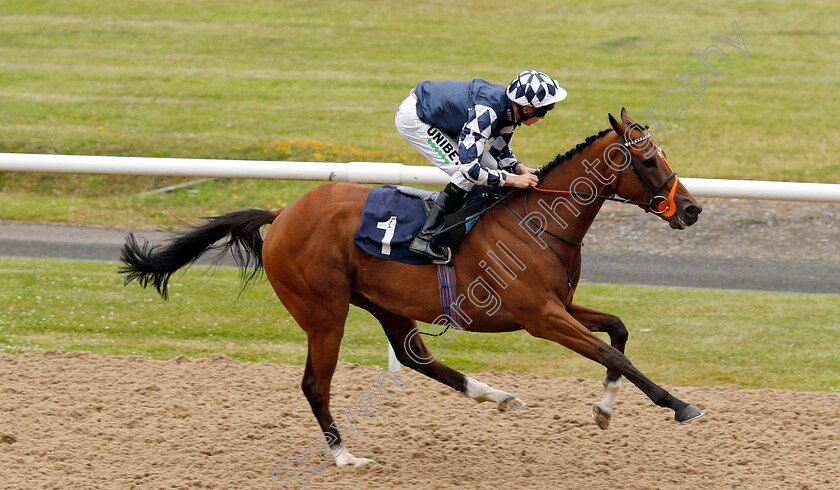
{"points": [[521, 111]]}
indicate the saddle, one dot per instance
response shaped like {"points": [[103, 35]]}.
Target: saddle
{"points": [[393, 215], [428, 197]]}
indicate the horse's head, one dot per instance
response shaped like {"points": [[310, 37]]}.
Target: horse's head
{"points": [[646, 176]]}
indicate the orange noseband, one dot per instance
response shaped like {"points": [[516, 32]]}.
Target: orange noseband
{"points": [[668, 206]]}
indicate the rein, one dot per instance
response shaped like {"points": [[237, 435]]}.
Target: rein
{"points": [[666, 208], [596, 196]]}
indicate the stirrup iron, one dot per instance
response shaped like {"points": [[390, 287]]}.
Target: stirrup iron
{"points": [[448, 260]]}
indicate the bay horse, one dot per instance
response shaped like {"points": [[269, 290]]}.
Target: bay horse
{"points": [[310, 259]]}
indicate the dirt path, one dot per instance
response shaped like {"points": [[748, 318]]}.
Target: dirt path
{"points": [[737, 244], [78, 420]]}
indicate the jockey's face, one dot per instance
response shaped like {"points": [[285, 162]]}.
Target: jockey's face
{"points": [[529, 120], [529, 117]]}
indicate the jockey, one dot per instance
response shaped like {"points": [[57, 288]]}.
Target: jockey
{"points": [[451, 122]]}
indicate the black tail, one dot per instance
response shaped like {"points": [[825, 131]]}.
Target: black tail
{"points": [[153, 264]]}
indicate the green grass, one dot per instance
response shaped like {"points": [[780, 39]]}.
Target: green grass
{"points": [[293, 80], [677, 336], [218, 79]]}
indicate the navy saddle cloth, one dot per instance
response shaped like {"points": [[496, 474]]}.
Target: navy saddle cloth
{"points": [[391, 219]]}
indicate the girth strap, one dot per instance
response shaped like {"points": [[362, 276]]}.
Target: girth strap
{"points": [[448, 295]]}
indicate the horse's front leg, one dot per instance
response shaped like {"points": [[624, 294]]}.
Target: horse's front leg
{"points": [[555, 323], [597, 321]]}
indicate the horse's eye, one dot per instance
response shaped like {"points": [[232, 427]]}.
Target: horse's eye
{"points": [[649, 163]]}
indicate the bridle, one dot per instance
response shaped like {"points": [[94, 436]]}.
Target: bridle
{"points": [[666, 208]]}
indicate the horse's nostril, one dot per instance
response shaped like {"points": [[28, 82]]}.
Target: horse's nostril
{"points": [[693, 211]]}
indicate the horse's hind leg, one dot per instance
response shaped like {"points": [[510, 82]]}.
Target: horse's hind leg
{"points": [[324, 340], [597, 321], [413, 353], [321, 311]]}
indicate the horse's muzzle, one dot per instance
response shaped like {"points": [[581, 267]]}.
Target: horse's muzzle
{"points": [[688, 212]]}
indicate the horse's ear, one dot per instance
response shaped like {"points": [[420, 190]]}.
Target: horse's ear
{"points": [[617, 126], [626, 117]]}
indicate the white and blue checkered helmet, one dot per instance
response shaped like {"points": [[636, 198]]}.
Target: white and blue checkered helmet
{"points": [[536, 89]]}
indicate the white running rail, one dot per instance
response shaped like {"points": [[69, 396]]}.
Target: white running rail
{"points": [[364, 172]]}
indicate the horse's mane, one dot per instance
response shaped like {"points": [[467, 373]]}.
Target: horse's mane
{"points": [[563, 157]]}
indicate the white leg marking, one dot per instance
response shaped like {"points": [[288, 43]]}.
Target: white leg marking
{"points": [[483, 393], [610, 390], [343, 457], [480, 392]]}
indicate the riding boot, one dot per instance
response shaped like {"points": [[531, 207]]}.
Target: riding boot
{"points": [[449, 200]]}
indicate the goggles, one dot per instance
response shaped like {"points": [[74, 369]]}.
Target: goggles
{"points": [[539, 111]]}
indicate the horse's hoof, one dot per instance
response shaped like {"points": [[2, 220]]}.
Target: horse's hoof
{"points": [[509, 404], [361, 461], [353, 461], [601, 416], [687, 414], [342, 457]]}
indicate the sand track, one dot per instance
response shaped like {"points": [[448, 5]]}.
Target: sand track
{"points": [[78, 420]]}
